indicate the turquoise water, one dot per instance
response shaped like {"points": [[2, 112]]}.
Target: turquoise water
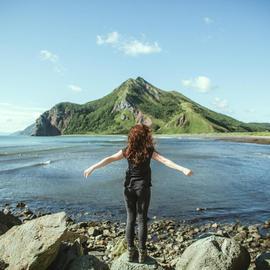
{"points": [[231, 180]]}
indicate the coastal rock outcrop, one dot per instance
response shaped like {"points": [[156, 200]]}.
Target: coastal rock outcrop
{"points": [[214, 253], [50, 123], [122, 263], [35, 244]]}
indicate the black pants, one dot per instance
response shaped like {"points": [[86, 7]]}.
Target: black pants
{"points": [[137, 204]]}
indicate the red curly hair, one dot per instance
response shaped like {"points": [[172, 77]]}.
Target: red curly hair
{"points": [[140, 140]]}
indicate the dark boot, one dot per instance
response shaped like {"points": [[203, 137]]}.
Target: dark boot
{"points": [[131, 253], [142, 255]]}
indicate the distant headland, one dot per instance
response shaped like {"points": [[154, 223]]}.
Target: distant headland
{"points": [[136, 101]]}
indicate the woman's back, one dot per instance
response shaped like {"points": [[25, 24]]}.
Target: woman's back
{"points": [[138, 176]]}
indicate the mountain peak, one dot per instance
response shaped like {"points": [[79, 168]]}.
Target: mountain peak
{"points": [[133, 84], [138, 79], [141, 79]]}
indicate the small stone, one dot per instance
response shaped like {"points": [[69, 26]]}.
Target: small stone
{"points": [[6, 211], [266, 224], [92, 231], [106, 232], [21, 205], [27, 212], [98, 237], [220, 232], [82, 225]]}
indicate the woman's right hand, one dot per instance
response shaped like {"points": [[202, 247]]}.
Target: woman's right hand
{"points": [[88, 171], [187, 172]]}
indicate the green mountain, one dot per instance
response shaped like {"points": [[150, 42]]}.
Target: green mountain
{"points": [[136, 101]]}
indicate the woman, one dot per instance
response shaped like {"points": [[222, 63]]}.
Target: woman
{"points": [[137, 185]]}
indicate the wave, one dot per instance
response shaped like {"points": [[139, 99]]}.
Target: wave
{"points": [[30, 151], [264, 155], [27, 166]]}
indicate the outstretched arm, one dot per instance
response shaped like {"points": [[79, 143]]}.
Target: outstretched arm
{"points": [[171, 164], [104, 162]]}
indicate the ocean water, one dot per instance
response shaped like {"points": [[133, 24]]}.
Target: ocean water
{"points": [[231, 180]]}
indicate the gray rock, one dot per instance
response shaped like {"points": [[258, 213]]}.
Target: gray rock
{"points": [[21, 205], [7, 221], [124, 104], [182, 121], [35, 244], [67, 253], [214, 253], [88, 262], [123, 264], [92, 231], [262, 261]]}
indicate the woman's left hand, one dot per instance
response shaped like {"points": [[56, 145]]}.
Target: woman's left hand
{"points": [[187, 172], [88, 171]]}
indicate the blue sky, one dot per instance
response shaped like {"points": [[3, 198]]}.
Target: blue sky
{"points": [[214, 52]]}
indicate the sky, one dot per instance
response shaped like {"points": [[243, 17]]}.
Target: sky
{"points": [[214, 52]]}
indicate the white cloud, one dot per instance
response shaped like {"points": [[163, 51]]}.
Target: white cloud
{"points": [[110, 38], [221, 103], [53, 59], [208, 20], [48, 56], [201, 83], [129, 47], [75, 88], [136, 47], [14, 118]]}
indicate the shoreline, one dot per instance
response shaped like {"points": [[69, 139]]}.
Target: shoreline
{"points": [[199, 217], [245, 137], [232, 137], [257, 139]]}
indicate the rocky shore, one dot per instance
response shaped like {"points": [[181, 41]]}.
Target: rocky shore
{"points": [[54, 241]]}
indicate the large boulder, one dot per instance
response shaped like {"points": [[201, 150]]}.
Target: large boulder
{"points": [[7, 221], [122, 263], [214, 253], [67, 253], [35, 244], [88, 262], [262, 261]]}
